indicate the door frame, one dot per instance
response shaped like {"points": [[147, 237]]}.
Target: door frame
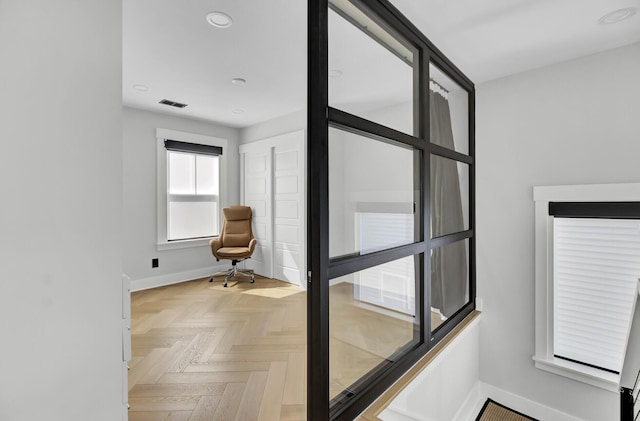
{"points": [[297, 139]]}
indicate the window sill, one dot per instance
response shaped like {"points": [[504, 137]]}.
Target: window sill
{"points": [[579, 372], [183, 244]]}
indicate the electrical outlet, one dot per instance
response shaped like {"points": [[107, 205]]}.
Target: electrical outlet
{"points": [[154, 263]]}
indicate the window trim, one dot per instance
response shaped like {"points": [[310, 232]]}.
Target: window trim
{"points": [[544, 358], [161, 180]]}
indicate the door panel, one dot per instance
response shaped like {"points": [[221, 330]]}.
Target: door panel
{"points": [[257, 195], [274, 187], [289, 209]]}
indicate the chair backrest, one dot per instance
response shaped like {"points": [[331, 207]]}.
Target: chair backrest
{"points": [[236, 228]]}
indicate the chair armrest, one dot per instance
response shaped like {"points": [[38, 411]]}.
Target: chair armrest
{"points": [[252, 245], [215, 244]]}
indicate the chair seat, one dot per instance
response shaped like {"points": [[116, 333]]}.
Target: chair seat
{"points": [[233, 252]]}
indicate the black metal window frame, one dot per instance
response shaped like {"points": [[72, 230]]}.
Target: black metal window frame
{"points": [[321, 268]]}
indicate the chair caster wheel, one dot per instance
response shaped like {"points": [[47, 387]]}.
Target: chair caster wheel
{"points": [[225, 285], [252, 280], [211, 279]]}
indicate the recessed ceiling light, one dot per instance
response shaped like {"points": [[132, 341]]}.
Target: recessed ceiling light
{"points": [[141, 88], [219, 19], [335, 73], [617, 15], [238, 81], [238, 111]]}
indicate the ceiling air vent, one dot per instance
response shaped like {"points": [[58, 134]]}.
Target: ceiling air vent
{"points": [[173, 103]]}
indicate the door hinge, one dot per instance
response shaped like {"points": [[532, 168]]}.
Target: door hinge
{"points": [[309, 276]]}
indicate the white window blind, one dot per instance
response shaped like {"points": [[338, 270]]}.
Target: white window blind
{"points": [[192, 195], [596, 268], [379, 231], [390, 285]]}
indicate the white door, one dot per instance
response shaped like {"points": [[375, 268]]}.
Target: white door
{"points": [[282, 209], [289, 208], [257, 195]]}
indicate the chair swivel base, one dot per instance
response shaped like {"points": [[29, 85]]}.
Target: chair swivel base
{"points": [[234, 272]]}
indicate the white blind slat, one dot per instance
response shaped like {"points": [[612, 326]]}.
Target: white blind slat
{"points": [[596, 267]]}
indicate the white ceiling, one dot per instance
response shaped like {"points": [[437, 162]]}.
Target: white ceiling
{"points": [[170, 48]]}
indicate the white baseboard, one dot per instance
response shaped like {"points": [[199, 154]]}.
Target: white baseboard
{"points": [[471, 406], [483, 391], [175, 278]]}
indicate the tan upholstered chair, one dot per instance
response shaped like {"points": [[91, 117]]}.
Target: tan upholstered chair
{"points": [[236, 242]]}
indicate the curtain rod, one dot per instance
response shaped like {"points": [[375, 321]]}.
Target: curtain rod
{"points": [[436, 87]]}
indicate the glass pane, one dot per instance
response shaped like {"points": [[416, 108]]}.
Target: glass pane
{"points": [[371, 194], [449, 112], [192, 220], [371, 318], [207, 174], [181, 173], [449, 196], [449, 281], [370, 70]]}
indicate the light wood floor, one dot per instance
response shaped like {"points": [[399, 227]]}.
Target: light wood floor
{"points": [[205, 352]]}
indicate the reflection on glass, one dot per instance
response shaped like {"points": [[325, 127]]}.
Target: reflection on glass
{"points": [[449, 280], [370, 320], [449, 196], [449, 118], [371, 194], [371, 70]]}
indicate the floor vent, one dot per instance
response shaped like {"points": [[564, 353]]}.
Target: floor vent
{"points": [[173, 103]]}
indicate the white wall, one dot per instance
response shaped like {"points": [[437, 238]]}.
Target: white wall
{"points": [[139, 169], [570, 123], [438, 392], [284, 124], [60, 219]]}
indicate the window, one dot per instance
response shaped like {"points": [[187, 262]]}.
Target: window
{"points": [[190, 188], [391, 199], [587, 269]]}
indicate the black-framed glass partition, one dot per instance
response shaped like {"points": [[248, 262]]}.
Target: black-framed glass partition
{"points": [[391, 201]]}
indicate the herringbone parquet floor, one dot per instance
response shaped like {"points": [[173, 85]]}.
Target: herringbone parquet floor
{"points": [[205, 352]]}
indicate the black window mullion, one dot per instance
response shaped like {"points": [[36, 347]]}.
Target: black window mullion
{"points": [[352, 264], [472, 193], [425, 135], [449, 153], [450, 238], [318, 212], [358, 125]]}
